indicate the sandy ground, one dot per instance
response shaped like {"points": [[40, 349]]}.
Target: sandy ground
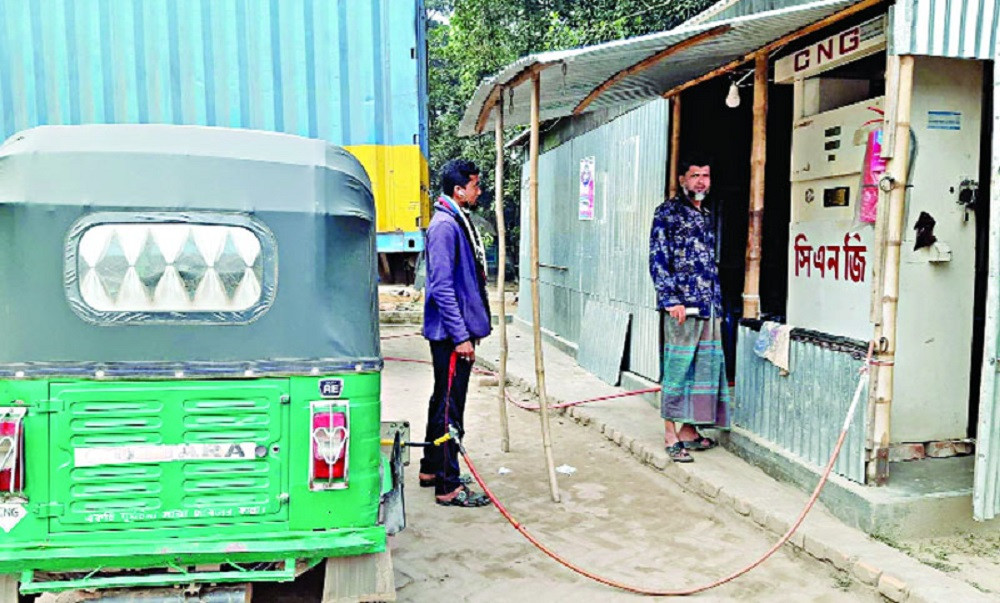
{"points": [[617, 517], [974, 558]]}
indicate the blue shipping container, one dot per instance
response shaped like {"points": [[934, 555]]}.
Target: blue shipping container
{"points": [[352, 72]]}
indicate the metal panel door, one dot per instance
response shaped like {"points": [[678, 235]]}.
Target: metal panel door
{"points": [[986, 494], [156, 454]]}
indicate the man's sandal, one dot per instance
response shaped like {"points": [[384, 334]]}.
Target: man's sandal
{"points": [[465, 480], [465, 498], [702, 443], [677, 453]]}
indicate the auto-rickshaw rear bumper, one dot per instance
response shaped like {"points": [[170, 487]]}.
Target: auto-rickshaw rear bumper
{"points": [[169, 561]]}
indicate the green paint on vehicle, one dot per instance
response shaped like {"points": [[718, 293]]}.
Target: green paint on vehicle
{"points": [[91, 506]]}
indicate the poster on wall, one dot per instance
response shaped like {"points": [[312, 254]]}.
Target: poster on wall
{"points": [[587, 176]]}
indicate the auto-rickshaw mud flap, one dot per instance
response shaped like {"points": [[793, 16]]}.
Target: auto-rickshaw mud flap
{"points": [[8, 588], [359, 578], [392, 508]]}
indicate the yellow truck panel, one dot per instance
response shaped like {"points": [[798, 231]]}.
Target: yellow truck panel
{"points": [[401, 184]]}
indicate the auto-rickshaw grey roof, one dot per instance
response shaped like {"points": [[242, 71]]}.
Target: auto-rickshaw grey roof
{"points": [[187, 167], [163, 251]]}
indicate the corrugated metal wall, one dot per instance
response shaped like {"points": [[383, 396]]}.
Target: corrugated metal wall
{"points": [[804, 411], [947, 28], [604, 259], [943, 28], [348, 71]]}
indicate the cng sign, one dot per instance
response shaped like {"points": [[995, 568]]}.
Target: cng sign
{"points": [[851, 44], [11, 515]]}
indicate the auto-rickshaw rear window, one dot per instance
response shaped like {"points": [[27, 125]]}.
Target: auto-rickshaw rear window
{"points": [[131, 268]]}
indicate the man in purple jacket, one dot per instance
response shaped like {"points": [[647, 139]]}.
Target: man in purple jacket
{"points": [[456, 317]]}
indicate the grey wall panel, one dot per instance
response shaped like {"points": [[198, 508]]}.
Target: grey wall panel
{"points": [[604, 259], [600, 349], [803, 411]]}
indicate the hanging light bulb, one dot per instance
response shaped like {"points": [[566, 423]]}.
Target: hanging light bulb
{"points": [[733, 98]]}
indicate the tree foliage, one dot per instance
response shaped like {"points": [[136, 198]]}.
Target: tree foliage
{"points": [[469, 40]]}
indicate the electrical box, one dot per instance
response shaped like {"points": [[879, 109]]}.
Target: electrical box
{"points": [[832, 254]]}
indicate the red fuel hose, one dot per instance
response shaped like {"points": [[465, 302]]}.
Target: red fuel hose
{"points": [[522, 405], [684, 591], [667, 592]]}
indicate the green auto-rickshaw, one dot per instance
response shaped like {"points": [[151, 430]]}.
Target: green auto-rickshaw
{"points": [[189, 364]]}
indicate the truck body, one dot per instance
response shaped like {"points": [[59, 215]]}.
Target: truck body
{"points": [[350, 72]]}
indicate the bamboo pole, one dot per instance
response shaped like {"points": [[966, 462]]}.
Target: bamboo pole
{"points": [[875, 313], [758, 160], [897, 168], [536, 313], [881, 226], [501, 280], [675, 145]]}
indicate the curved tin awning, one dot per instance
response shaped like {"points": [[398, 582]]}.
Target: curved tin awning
{"points": [[629, 72]]}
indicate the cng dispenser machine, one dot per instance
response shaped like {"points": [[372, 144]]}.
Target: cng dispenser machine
{"points": [[838, 96]]}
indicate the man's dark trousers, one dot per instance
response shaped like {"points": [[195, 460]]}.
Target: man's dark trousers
{"points": [[442, 461]]}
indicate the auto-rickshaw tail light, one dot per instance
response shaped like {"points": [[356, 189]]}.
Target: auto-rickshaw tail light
{"points": [[329, 442], [11, 450]]}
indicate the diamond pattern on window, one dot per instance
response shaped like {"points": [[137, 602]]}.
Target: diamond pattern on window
{"points": [[112, 267], [191, 266], [230, 267], [172, 267], [151, 265]]}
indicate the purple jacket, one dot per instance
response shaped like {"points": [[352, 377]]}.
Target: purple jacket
{"points": [[453, 308]]}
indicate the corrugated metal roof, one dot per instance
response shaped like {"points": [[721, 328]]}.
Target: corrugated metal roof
{"points": [[573, 74], [947, 28], [727, 9]]}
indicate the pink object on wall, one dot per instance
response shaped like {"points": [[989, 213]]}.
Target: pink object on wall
{"points": [[872, 170]]}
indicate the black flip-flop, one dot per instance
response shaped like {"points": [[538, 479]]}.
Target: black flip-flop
{"points": [[465, 480], [465, 498], [702, 443], [677, 453]]}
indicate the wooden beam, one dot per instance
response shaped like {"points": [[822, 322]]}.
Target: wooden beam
{"points": [[536, 312], [772, 46], [646, 64], [484, 112], [758, 159], [675, 145], [501, 279], [524, 75], [897, 170]]}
